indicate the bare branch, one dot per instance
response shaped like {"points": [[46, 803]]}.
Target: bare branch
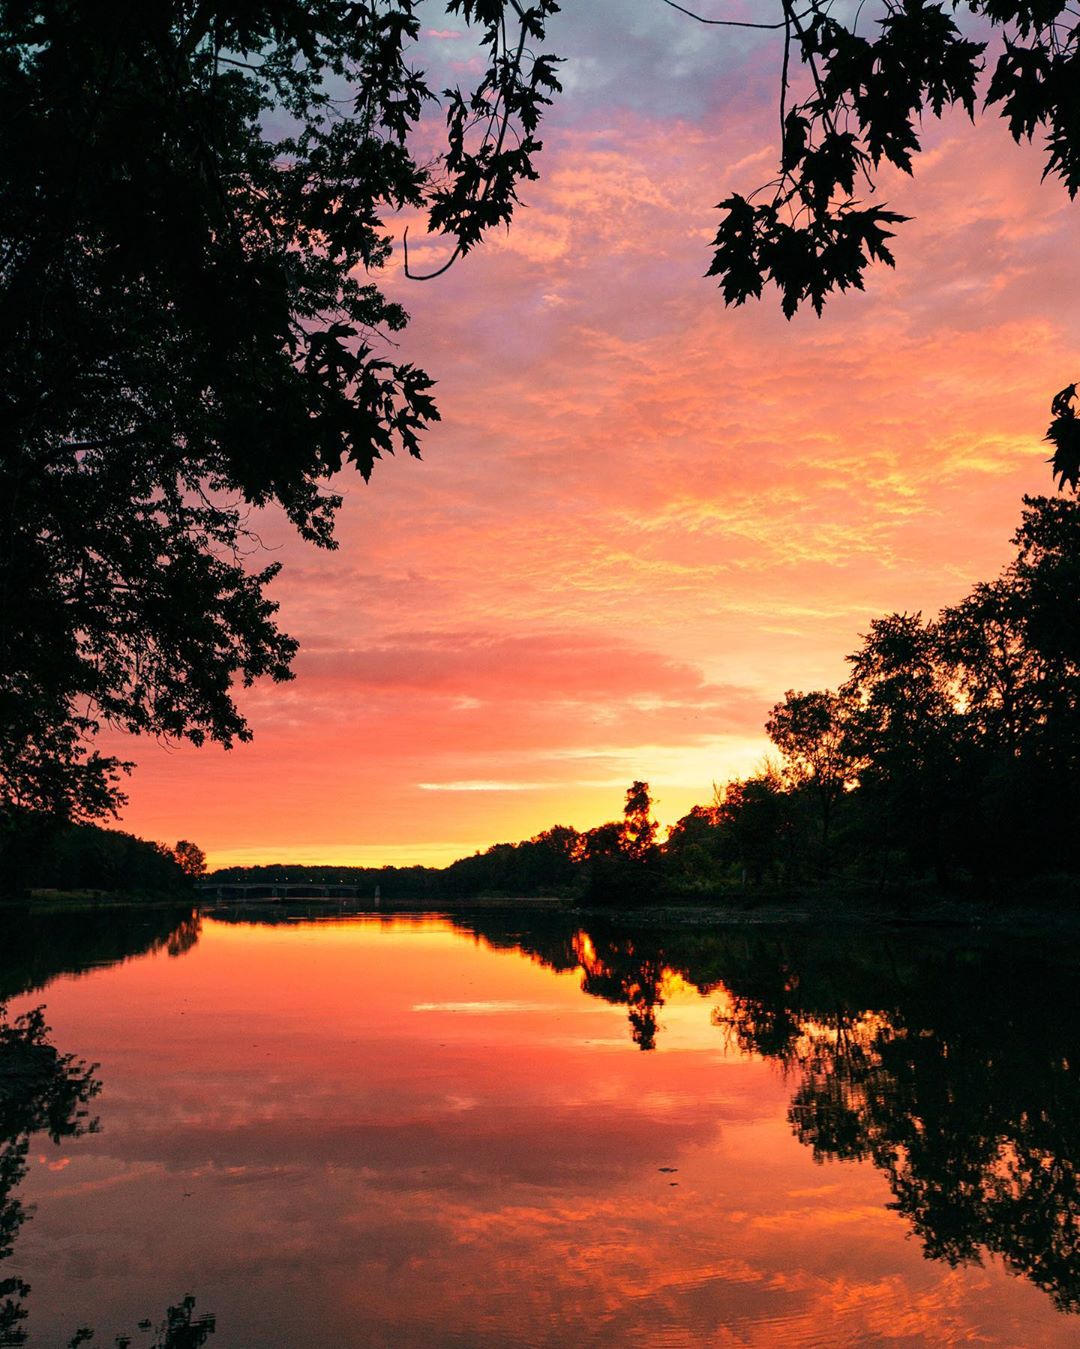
{"points": [[722, 23], [427, 276]]}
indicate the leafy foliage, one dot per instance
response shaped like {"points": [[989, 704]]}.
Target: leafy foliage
{"points": [[1064, 435], [196, 199], [37, 852], [813, 732], [639, 838], [190, 858], [862, 99]]}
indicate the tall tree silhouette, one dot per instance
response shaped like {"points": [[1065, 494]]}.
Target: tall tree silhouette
{"points": [[904, 726], [639, 826], [190, 858], [812, 732], [194, 199]]}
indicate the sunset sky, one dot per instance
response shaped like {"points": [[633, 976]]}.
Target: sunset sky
{"points": [[643, 516]]}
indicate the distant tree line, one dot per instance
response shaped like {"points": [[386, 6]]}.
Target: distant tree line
{"points": [[39, 853], [950, 756]]}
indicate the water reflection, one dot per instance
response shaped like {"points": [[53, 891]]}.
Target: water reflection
{"points": [[182, 1328], [40, 944], [951, 1067], [420, 1132], [949, 1064], [46, 1092], [958, 1081], [41, 1091]]}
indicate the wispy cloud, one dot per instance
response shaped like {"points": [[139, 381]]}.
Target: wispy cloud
{"points": [[644, 516]]}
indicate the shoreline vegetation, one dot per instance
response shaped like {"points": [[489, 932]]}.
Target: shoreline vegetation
{"points": [[1051, 906], [810, 910], [46, 860]]}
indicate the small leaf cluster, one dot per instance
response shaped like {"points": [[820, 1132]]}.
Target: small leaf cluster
{"points": [[491, 134], [813, 229], [1064, 434], [755, 244]]}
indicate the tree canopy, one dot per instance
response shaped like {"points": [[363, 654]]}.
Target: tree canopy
{"points": [[195, 202], [198, 196]]}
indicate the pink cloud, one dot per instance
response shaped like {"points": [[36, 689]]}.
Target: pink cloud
{"points": [[644, 516]]}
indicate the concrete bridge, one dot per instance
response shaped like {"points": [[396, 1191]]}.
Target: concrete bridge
{"points": [[209, 888]]}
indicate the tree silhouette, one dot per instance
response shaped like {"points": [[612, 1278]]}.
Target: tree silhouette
{"points": [[812, 732], [1064, 434], [755, 816], [639, 838], [620, 858], [190, 858], [36, 852], [194, 206], [852, 100]]}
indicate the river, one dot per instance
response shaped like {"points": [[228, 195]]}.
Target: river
{"points": [[517, 1128]]}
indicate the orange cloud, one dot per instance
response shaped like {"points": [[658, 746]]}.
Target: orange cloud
{"points": [[644, 516]]}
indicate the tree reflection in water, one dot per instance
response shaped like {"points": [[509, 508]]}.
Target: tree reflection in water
{"points": [[950, 1067], [181, 1329], [949, 1063], [623, 972], [43, 1091], [40, 944], [963, 1092]]}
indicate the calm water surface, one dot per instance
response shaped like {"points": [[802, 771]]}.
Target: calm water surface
{"points": [[492, 1130]]}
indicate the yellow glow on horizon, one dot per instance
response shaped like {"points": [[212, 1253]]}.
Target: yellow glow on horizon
{"points": [[343, 855], [679, 778]]}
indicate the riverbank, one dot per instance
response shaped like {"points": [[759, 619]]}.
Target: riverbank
{"points": [[817, 909], [805, 911], [55, 900]]}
